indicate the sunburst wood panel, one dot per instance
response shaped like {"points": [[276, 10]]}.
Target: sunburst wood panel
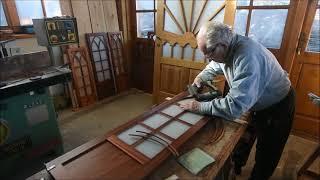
{"points": [[102, 65], [82, 76], [119, 61]]}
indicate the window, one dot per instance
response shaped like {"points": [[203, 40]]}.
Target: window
{"points": [[15, 13], [145, 13], [314, 40], [3, 19], [262, 20]]}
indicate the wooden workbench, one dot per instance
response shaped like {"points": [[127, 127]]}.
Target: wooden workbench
{"points": [[221, 151], [99, 158]]}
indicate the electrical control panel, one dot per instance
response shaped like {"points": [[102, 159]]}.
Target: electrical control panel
{"points": [[56, 31]]}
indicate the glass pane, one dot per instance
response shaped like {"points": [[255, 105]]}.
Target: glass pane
{"points": [[96, 56], [106, 74], [3, 20], [243, 2], [177, 50], [166, 50], [173, 110], [98, 66], [191, 118], [198, 55], [52, 8], [196, 12], [270, 2], [125, 137], [28, 10], [145, 24], [187, 52], [105, 65], [175, 8], [170, 25], [103, 55], [100, 76], [145, 4], [267, 26], [175, 129], [211, 7], [240, 23], [219, 17], [314, 41], [151, 148], [155, 121]]}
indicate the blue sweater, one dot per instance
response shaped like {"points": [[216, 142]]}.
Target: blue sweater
{"points": [[255, 78]]}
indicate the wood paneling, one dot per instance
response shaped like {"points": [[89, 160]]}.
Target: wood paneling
{"points": [[173, 79], [110, 15], [97, 17], [81, 12]]}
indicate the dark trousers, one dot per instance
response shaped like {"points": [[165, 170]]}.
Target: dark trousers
{"points": [[271, 127]]}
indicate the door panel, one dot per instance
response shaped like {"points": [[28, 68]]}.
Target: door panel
{"points": [[305, 75], [177, 57]]}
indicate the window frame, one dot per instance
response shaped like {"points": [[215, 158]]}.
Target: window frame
{"points": [[12, 17], [252, 7], [154, 10]]}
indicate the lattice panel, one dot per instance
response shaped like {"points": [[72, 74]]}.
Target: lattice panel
{"points": [[167, 127], [118, 60], [82, 76], [102, 65]]}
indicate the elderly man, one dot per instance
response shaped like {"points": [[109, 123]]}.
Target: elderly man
{"points": [[257, 84]]}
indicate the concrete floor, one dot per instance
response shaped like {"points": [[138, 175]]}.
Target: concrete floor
{"points": [[80, 127]]}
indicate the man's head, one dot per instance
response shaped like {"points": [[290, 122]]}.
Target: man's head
{"points": [[214, 39]]}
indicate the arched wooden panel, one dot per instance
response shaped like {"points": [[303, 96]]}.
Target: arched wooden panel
{"points": [[119, 61], [83, 79], [102, 65]]}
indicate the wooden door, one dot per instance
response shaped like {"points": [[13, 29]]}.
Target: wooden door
{"points": [[177, 58], [305, 75], [101, 63], [119, 61]]}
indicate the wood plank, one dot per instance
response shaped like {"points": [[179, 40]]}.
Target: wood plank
{"points": [[230, 11], [66, 9], [110, 15], [81, 12], [96, 12]]}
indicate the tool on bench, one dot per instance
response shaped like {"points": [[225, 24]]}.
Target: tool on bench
{"points": [[195, 92]]}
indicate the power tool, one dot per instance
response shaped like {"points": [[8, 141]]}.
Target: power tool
{"points": [[195, 92]]}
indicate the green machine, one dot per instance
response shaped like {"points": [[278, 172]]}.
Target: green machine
{"points": [[28, 128]]}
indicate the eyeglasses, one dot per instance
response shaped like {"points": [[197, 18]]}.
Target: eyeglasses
{"points": [[210, 52]]}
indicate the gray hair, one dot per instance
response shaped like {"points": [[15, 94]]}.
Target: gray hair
{"points": [[218, 33]]}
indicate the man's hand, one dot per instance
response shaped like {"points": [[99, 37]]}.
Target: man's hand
{"points": [[191, 106], [197, 81]]}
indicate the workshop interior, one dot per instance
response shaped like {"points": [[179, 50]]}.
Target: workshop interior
{"points": [[93, 89]]}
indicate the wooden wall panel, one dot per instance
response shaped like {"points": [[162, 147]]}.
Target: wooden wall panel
{"points": [[81, 12], [96, 11], [110, 15], [66, 8], [174, 80]]}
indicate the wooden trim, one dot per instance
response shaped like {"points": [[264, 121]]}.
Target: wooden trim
{"points": [[191, 15], [44, 8], [201, 12], [296, 14], [184, 15], [145, 11], [229, 13], [10, 9], [179, 62], [264, 7], [249, 19], [173, 18]]}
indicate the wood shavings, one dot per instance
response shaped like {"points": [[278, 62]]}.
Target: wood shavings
{"points": [[217, 132]]}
